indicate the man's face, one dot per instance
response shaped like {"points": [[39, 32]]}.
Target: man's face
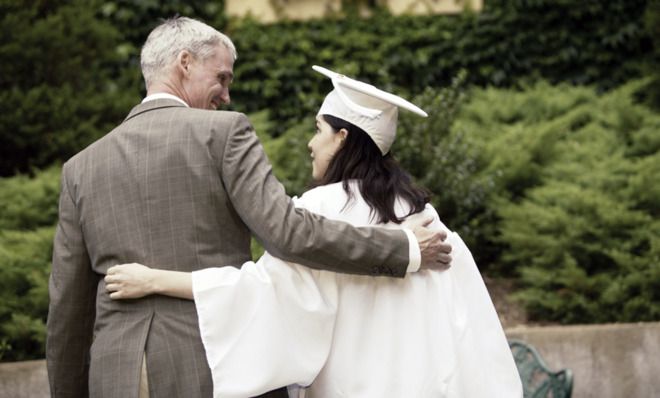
{"points": [[207, 84]]}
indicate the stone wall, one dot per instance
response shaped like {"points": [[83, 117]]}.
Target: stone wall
{"points": [[27, 379], [608, 361]]}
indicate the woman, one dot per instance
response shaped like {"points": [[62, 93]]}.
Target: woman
{"points": [[272, 323]]}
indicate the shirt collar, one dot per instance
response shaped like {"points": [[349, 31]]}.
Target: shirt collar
{"points": [[163, 96]]}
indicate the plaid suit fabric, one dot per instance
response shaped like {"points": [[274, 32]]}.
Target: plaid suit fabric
{"points": [[179, 189]]}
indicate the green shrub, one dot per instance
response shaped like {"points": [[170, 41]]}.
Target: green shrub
{"points": [[28, 213], [288, 153], [57, 93], [576, 202], [652, 24], [444, 159], [29, 202], [74, 73], [24, 266]]}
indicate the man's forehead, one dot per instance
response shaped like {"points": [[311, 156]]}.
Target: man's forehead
{"points": [[225, 52], [223, 66]]}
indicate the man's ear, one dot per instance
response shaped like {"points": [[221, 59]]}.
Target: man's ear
{"points": [[183, 62]]}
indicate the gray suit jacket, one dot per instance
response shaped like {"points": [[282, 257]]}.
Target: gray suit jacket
{"points": [[179, 189]]}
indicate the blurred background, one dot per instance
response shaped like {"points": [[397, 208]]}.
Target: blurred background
{"points": [[541, 149]]}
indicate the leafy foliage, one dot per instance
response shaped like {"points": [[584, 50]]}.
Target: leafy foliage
{"points": [[28, 211], [652, 23], [443, 159], [288, 153], [24, 265], [576, 210], [29, 202], [74, 70], [603, 43], [56, 93], [135, 19]]}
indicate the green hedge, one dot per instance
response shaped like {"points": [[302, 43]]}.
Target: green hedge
{"points": [[581, 42], [28, 213], [73, 70], [652, 23], [577, 204]]}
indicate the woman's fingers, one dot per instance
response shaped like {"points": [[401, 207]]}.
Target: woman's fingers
{"points": [[112, 283], [127, 281], [112, 287]]}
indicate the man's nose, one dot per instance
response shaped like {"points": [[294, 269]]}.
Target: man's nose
{"points": [[224, 97]]}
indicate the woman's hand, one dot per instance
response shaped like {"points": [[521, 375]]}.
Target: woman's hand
{"points": [[130, 281]]}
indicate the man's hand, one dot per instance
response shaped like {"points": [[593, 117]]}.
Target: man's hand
{"points": [[435, 251]]}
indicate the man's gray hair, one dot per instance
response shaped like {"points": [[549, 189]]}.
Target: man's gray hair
{"points": [[174, 35]]}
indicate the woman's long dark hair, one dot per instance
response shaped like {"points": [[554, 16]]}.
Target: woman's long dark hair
{"points": [[380, 178]]}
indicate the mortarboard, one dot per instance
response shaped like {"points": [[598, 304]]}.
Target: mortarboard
{"points": [[373, 110]]}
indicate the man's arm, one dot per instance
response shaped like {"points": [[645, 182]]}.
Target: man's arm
{"points": [[298, 235], [72, 291]]}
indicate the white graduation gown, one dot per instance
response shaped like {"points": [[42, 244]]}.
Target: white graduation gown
{"points": [[431, 334]]}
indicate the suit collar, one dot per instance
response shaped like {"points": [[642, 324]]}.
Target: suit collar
{"points": [[153, 105]]}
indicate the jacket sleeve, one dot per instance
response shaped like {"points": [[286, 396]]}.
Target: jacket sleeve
{"points": [[72, 291], [297, 235]]}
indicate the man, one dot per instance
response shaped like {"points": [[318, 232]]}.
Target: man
{"points": [[182, 187]]}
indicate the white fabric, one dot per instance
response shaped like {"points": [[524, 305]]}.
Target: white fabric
{"points": [[375, 92], [430, 334], [380, 127], [156, 96], [373, 110], [414, 253]]}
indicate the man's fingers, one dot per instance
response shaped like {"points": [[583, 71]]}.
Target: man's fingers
{"points": [[426, 221], [442, 262], [415, 222], [444, 247], [444, 259], [443, 235]]}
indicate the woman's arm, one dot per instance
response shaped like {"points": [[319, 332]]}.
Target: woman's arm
{"points": [[130, 281]]}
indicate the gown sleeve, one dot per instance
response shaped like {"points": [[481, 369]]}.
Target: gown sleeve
{"points": [[480, 346], [266, 325]]}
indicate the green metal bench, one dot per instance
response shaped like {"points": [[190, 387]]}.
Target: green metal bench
{"points": [[537, 379]]}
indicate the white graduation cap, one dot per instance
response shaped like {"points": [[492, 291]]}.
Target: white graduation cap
{"points": [[373, 110]]}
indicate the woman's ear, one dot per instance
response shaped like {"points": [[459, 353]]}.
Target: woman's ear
{"points": [[343, 133]]}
